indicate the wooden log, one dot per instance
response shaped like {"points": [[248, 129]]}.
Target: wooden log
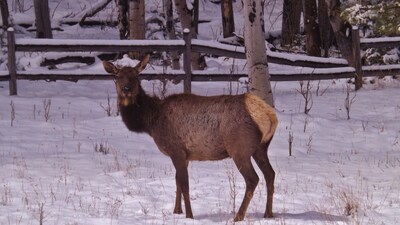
{"points": [[89, 60], [385, 42]]}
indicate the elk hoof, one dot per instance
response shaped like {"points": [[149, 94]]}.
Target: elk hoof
{"points": [[178, 211], [238, 218], [268, 215]]}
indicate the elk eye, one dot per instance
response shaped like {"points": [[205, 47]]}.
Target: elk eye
{"points": [[127, 88]]}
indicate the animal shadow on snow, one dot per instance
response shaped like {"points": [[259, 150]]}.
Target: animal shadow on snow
{"points": [[305, 216]]}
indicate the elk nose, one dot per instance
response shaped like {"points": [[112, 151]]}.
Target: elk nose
{"points": [[127, 89]]}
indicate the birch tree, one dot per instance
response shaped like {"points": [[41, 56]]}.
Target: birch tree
{"points": [[170, 28], [137, 24], [259, 78], [122, 6]]}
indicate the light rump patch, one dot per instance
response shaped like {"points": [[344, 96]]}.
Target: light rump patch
{"points": [[262, 114]]}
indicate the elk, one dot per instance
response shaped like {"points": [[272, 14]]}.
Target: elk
{"points": [[189, 127]]}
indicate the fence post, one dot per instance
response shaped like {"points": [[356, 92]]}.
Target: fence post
{"points": [[187, 84], [12, 68], [355, 34]]}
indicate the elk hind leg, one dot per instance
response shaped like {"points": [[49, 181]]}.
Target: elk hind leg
{"points": [[261, 158], [250, 176]]}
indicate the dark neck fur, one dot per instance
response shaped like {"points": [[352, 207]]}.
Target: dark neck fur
{"points": [[140, 116]]}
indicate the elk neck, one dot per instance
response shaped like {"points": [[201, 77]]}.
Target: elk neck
{"points": [[140, 115]]}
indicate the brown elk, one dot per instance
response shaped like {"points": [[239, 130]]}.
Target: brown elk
{"points": [[188, 127]]}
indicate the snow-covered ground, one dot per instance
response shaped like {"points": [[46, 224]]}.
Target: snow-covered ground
{"points": [[71, 163], [84, 167]]}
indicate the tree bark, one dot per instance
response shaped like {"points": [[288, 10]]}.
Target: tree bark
{"points": [[43, 25], [290, 21], [122, 6], [342, 30], [325, 29], [5, 14], [168, 9], [137, 23], [228, 22], [187, 18], [259, 78], [313, 42]]}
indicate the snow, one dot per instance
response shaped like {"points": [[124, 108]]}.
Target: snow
{"points": [[380, 39], [84, 167], [335, 162]]}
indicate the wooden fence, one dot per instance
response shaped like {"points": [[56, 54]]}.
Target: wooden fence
{"points": [[315, 68]]}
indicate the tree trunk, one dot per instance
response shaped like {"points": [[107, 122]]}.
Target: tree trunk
{"points": [[342, 30], [290, 21], [186, 15], [43, 25], [137, 23], [313, 42], [171, 31], [259, 78], [228, 22], [325, 29], [5, 14], [122, 6]]}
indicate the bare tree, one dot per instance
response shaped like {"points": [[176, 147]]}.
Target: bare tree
{"points": [[170, 28], [291, 20], [122, 6], [43, 25], [137, 25], [5, 14], [97, 7], [228, 22], [187, 15], [342, 30], [256, 54], [325, 29], [311, 27]]}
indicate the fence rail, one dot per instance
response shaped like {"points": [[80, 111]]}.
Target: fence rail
{"points": [[315, 68]]}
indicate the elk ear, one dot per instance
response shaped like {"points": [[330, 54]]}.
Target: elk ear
{"points": [[110, 68], [142, 65]]}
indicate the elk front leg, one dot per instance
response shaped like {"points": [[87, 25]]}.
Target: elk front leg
{"points": [[182, 186]]}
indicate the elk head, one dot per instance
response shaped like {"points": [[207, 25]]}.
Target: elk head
{"points": [[126, 80]]}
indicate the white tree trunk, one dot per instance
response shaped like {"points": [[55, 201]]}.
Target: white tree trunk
{"points": [[137, 24], [256, 54], [170, 28]]}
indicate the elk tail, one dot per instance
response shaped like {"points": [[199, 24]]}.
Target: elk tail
{"points": [[263, 115]]}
